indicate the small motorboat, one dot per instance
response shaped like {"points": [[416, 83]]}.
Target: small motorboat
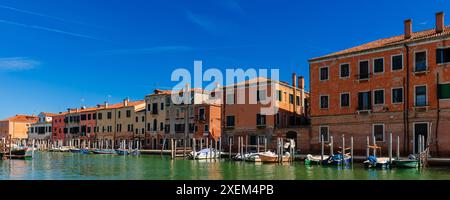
{"points": [[104, 151], [64, 149], [208, 153], [86, 151], [339, 159], [270, 157], [315, 160], [122, 152], [75, 150], [380, 163], [411, 162]]}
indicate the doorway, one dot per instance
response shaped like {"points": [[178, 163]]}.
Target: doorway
{"points": [[420, 129]]}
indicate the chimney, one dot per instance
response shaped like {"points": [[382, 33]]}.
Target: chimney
{"points": [[125, 102], [301, 82], [294, 80], [439, 22], [408, 28], [106, 104]]}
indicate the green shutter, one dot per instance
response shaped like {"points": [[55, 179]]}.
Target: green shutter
{"points": [[444, 91]]}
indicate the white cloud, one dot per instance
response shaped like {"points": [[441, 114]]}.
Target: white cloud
{"points": [[17, 64]]}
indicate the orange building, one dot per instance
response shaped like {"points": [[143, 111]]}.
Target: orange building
{"points": [[17, 126], [398, 85], [290, 119]]}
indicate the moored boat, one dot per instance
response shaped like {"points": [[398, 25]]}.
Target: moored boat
{"points": [[75, 150], [122, 152], [411, 162], [270, 157], [315, 160], [380, 163], [86, 151], [104, 151], [208, 153]]}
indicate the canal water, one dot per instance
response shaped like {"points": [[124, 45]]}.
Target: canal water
{"points": [[74, 166]]}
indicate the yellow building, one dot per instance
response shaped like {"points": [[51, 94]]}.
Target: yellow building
{"points": [[156, 112], [16, 126], [129, 122]]}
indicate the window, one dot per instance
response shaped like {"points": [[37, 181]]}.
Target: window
{"points": [[94, 116], [137, 119], [324, 102], [148, 127], [202, 114], [149, 107], [323, 73], [421, 95], [420, 61], [397, 95], [261, 95], [89, 116], [279, 95], [260, 120], [162, 106], [230, 121], [378, 132], [378, 97], [297, 100], [161, 126], [128, 113], [364, 69], [109, 115], [345, 100], [155, 125], [118, 114], [324, 132], [155, 108], [277, 118], [167, 128], [442, 56], [207, 128], [344, 70], [444, 91], [397, 62], [364, 101], [100, 115], [230, 98], [291, 98], [378, 65]]}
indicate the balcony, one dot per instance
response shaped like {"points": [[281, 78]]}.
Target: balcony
{"points": [[364, 109]]}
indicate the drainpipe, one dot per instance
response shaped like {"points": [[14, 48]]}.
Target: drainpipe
{"points": [[406, 105], [438, 110]]}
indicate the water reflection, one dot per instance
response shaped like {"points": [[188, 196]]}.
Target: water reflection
{"points": [[78, 166]]}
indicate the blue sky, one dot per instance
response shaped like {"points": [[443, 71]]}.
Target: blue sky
{"points": [[56, 54]]}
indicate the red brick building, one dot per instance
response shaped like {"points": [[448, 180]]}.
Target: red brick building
{"points": [[59, 128], [398, 85]]}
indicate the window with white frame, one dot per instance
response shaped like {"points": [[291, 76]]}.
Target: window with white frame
{"points": [[397, 62], [421, 95], [397, 95], [323, 73], [420, 61], [324, 101], [378, 97], [344, 70], [378, 65]]}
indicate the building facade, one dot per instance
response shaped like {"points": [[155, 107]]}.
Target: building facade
{"points": [[155, 115], [289, 120], [17, 126], [42, 129], [398, 85]]}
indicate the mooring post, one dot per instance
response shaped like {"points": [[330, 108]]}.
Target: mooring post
{"points": [[246, 144], [32, 153], [239, 146], [322, 148], [220, 147], [265, 144], [390, 148], [242, 147], [351, 148], [367, 147], [257, 144], [343, 150], [331, 146], [419, 153], [375, 145], [398, 147], [229, 147]]}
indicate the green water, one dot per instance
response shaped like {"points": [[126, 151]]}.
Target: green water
{"points": [[74, 166]]}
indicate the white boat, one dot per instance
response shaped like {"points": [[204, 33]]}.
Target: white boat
{"points": [[252, 157], [310, 159], [204, 154], [271, 157]]}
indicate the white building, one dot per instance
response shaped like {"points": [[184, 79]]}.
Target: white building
{"points": [[42, 129]]}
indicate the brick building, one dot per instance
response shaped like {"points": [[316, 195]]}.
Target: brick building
{"points": [[398, 85]]}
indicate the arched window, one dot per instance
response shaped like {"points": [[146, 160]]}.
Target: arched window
{"points": [[155, 125]]}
